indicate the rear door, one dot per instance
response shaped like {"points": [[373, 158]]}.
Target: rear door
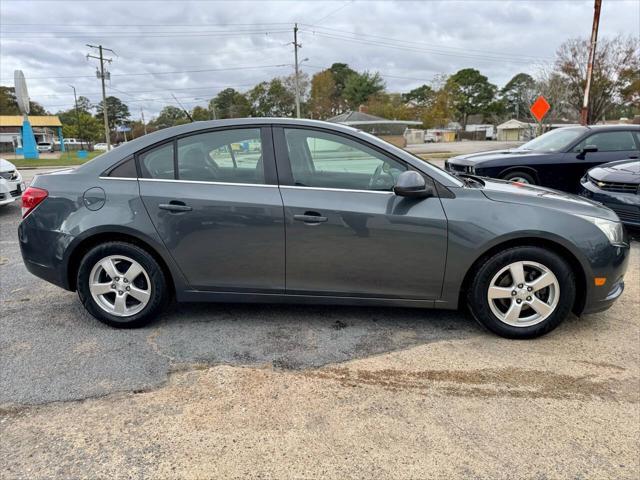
{"points": [[214, 200], [347, 233]]}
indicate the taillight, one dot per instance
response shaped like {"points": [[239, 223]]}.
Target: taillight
{"points": [[31, 198]]}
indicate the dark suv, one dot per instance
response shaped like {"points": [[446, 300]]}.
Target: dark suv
{"points": [[275, 210]]}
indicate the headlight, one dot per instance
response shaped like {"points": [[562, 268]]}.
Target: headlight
{"points": [[612, 230]]}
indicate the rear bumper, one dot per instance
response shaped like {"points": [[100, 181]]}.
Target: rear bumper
{"points": [[43, 252]]}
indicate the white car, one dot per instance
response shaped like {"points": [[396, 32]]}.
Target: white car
{"points": [[101, 147], [11, 184], [45, 147]]}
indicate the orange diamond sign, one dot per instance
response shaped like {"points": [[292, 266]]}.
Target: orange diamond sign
{"points": [[540, 108]]}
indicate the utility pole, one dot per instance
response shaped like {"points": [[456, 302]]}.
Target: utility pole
{"points": [[584, 113], [144, 125], [75, 99], [102, 75], [296, 45]]}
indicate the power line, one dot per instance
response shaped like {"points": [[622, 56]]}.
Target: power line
{"points": [[23, 35], [167, 72], [334, 11], [402, 42], [419, 50]]}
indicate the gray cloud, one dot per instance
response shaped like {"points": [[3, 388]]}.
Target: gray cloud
{"points": [[500, 38]]}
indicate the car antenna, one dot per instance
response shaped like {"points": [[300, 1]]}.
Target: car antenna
{"points": [[182, 107]]}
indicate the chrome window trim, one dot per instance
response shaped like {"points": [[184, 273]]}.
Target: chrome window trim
{"points": [[117, 178], [168, 180], [297, 187]]}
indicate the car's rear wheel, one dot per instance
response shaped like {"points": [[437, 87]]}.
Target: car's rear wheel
{"points": [[522, 292], [519, 176], [121, 285]]}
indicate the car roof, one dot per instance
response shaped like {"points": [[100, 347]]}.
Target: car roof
{"points": [[620, 126]]}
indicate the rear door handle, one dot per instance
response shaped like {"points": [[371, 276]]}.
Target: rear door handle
{"points": [[633, 156], [310, 217], [175, 206]]}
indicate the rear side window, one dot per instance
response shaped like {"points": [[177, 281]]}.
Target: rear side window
{"points": [[609, 142], [157, 162], [126, 169], [226, 156]]}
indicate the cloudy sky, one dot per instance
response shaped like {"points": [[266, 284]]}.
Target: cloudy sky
{"points": [[193, 49]]}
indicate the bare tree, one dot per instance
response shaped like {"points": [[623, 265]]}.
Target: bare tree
{"points": [[617, 62]]}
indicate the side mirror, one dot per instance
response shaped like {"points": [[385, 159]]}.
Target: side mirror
{"points": [[588, 149], [412, 184]]}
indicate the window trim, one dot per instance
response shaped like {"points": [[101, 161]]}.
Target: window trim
{"points": [[284, 163], [266, 140]]}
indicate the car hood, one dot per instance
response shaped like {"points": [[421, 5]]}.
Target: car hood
{"points": [[6, 166], [623, 171], [482, 157], [519, 193]]}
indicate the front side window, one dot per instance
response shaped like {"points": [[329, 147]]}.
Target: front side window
{"points": [[326, 160], [228, 156], [157, 162], [608, 142]]}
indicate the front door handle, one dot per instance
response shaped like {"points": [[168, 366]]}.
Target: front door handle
{"points": [[310, 217], [175, 206], [633, 156]]}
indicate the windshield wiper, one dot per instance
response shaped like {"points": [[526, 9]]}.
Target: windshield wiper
{"points": [[469, 179]]}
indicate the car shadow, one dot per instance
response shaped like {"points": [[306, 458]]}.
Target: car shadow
{"points": [[299, 336]]}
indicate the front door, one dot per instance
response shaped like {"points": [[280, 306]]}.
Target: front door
{"points": [[611, 146], [214, 201], [347, 234]]}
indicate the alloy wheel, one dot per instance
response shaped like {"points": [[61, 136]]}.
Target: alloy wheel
{"points": [[120, 285], [523, 293]]}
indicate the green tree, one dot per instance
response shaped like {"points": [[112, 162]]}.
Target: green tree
{"points": [[230, 103], [422, 96], [322, 102], [272, 99], [391, 106], [471, 93], [90, 128], [170, 116], [9, 105], [117, 111], [518, 95], [84, 104], [340, 72], [200, 113], [359, 87]]}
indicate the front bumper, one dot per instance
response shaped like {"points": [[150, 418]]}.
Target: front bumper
{"points": [[626, 205], [11, 190], [611, 264]]}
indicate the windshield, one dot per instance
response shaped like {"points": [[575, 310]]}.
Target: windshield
{"points": [[554, 140]]}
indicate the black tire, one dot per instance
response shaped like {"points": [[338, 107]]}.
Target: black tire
{"points": [[158, 285], [517, 174], [479, 303]]}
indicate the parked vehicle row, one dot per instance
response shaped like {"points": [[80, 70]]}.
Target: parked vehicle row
{"points": [[314, 212], [561, 158]]}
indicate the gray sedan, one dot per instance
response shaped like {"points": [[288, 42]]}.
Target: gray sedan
{"points": [[279, 210]]}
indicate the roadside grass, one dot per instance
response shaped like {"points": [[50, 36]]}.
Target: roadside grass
{"points": [[435, 156], [67, 158]]}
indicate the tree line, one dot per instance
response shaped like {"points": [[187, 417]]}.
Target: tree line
{"points": [[615, 93]]}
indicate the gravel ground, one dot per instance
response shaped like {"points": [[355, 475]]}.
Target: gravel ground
{"points": [[312, 392]]}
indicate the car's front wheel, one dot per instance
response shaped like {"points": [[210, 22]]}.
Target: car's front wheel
{"points": [[522, 292], [521, 177], [121, 285]]}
